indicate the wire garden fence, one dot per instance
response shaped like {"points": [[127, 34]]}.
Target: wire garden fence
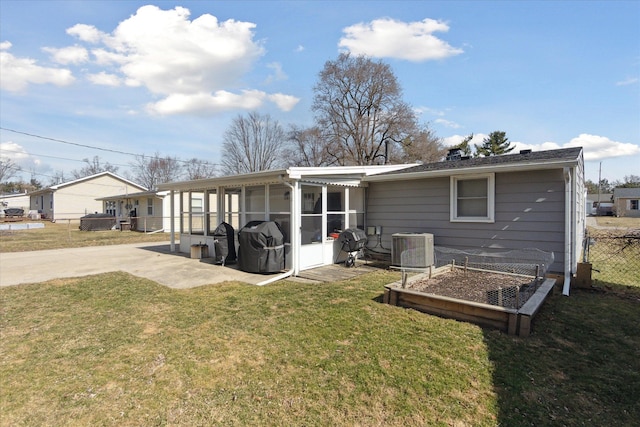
{"points": [[505, 278], [614, 255]]}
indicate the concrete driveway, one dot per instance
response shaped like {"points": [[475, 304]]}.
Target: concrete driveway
{"points": [[149, 260]]}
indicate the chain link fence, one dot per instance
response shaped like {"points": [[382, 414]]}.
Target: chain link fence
{"points": [[614, 255]]}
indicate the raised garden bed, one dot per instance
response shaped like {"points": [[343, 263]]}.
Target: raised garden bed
{"points": [[498, 300]]}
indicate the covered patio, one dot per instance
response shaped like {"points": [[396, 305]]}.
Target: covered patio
{"points": [[311, 206]]}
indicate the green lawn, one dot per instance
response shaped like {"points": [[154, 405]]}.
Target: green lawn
{"points": [[116, 350]]}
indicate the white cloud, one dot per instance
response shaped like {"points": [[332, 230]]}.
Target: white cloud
{"points": [[205, 103], [447, 123], [278, 74], [284, 102], [388, 38], [18, 73], [5, 45], [68, 55], [105, 79], [595, 147], [477, 139], [299, 49], [195, 66], [86, 33], [627, 82], [13, 151]]}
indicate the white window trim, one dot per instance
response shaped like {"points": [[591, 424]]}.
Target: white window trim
{"points": [[491, 190]]}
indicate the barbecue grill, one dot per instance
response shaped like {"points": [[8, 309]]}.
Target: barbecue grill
{"points": [[352, 241]]}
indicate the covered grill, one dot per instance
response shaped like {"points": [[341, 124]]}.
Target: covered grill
{"points": [[261, 247], [352, 241], [224, 244]]}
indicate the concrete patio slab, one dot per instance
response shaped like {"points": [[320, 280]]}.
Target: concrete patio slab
{"points": [[153, 261]]}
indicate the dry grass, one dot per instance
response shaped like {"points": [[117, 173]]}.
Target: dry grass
{"points": [[612, 221], [66, 234]]}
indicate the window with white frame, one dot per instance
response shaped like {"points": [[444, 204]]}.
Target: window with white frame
{"points": [[472, 198], [150, 206]]}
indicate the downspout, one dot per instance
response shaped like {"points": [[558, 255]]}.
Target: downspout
{"points": [[173, 221], [293, 237], [567, 231]]}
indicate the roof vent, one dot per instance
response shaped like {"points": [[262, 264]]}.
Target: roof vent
{"points": [[454, 154], [527, 151]]}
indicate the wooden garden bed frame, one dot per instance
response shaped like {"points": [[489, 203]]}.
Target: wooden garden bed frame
{"points": [[512, 321]]}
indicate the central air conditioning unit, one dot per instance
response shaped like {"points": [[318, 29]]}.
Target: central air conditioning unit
{"points": [[412, 250]]}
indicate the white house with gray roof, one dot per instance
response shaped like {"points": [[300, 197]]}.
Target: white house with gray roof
{"points": [[77, 198]]}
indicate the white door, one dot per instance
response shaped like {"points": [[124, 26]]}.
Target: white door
{"points": [[312, 202]]}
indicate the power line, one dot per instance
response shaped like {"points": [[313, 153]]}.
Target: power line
{"points": [[91, 146], [55, 157]]}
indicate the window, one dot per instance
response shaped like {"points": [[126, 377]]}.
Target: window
{"points": [[633, 205], [472, 198], [149, 206]]}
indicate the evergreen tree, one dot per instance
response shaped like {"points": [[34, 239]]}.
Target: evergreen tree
{"points": [[495, 144]]}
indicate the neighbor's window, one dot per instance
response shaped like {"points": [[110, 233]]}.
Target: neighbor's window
{"points": [[633, 205], [149, 206], [472, 198]]}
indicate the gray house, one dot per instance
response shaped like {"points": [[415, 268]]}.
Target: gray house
{"points": [[626, 202], [515, 201]]}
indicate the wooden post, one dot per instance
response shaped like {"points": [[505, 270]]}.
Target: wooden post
{"points": [[583, 275]]}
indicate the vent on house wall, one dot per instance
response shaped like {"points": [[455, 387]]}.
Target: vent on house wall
{"points": [[412, 250]]}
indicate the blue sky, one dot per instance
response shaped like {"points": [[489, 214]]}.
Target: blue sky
{"points": [[168, 77]]}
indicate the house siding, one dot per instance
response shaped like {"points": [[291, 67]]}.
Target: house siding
{"points": [[78, 199], [529, 213]]}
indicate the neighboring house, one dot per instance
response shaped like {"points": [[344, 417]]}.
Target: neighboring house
{"points": [[600, 204], [526, 200], [626, 201], [75, 199], [146, 211], [19, 200]]}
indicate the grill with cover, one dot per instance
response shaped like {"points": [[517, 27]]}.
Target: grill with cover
{"points": [[224, 244], [261, 247]]}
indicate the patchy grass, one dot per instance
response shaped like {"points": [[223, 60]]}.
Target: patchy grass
{"points": [[66, 234], [615, 258], [623, 222], [114, 349]]}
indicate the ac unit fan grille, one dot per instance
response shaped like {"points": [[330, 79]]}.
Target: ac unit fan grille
{"points": [[412, 250]]}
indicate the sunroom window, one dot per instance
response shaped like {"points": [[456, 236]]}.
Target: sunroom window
{"points": [[472, 198]]}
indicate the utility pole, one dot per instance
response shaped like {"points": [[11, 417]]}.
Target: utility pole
{"points": [[599, 185]]}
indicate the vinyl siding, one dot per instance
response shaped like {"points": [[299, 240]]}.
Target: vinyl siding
{"points": [[79, 199], [529, 213]]}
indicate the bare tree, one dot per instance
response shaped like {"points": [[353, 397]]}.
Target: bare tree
{"points": [[307, 147], [57, 178], [199, 169], [93, 167], [8, 169], [150, 171], [359, 103], [423, 146], [253, 143]]}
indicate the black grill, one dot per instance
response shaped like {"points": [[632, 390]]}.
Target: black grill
{"points": [[352, 239]]}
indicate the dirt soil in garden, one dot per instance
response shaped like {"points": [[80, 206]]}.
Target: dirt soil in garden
{"points": [[477, 286]]}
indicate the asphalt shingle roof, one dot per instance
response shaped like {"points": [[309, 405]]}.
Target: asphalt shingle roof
{"points": [[565, 154]]}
